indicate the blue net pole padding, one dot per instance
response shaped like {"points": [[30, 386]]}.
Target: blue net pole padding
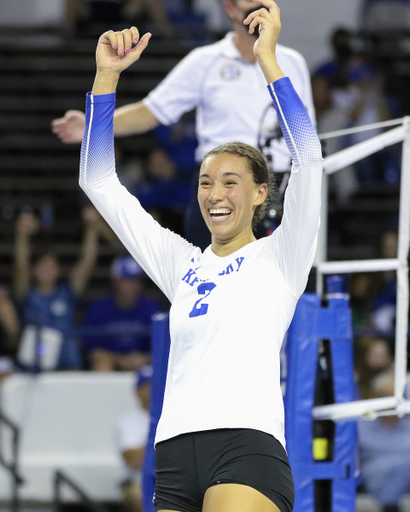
{"points": [[160, 350]]}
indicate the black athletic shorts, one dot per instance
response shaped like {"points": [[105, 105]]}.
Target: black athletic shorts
{"points": [[187, 465]]}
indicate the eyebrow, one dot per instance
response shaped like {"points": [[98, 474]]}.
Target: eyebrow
{"points": [[224, 174]]}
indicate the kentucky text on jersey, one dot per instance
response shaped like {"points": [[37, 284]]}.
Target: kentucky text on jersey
{"points": [[232, 267]]}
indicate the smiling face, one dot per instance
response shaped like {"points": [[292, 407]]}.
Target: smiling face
{"points": [[228, 196]]}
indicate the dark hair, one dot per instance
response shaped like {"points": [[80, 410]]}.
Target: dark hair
{"points": [[257, 166]]}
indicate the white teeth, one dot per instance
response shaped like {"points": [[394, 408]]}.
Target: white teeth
{"points": [[219, 211]]}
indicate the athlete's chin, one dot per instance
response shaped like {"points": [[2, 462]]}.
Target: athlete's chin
{"points": [[218, 226], [222, 235], [222, 228]]}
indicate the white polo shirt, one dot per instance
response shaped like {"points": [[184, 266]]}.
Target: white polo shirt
{"points": [[229, 94]]}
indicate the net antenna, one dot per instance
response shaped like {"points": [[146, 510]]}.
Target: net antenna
{"points": [[333, 163]]}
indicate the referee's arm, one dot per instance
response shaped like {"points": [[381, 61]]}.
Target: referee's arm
{"points": [[133, 119]]}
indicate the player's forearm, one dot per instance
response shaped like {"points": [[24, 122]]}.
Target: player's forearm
{"points": [[105, 82], [133, 119], [270, 67], [297, 128]]}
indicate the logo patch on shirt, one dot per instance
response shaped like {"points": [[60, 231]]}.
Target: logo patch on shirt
{"points": [[230, 72]]}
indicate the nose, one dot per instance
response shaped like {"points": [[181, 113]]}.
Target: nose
{"points": [[216, 193]]}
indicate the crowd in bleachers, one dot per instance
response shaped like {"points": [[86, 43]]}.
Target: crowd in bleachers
{"points": [[48, 323], [49, 327]]}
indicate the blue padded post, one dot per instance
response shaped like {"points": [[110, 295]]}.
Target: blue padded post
{"points": [[313, 323], [302, 351], [345, 441], [160, 350]]}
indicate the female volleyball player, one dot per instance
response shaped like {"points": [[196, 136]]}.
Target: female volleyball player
{"points": [[220, 440]]}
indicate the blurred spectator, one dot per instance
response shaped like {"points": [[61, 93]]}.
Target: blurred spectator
{"points": [[384, 305], [373, 295], [131, 434], [372, 356], [332, 118], [163, 194], [180, 142], [82, 15], [384, 15], [130, 169], [385, 450], [48, 304], [358, 90], [368, 105], [9, 332], [363, 288], [338, 70], [119, 325]]}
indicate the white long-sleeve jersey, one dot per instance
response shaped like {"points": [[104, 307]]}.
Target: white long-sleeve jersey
{"points": [[229, 314]]}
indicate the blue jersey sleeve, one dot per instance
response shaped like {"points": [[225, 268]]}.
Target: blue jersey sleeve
{"points": [[297, 127], [294, 241], [97, 150], [159, 251]]}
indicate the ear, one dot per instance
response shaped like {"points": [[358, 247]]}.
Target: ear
{"points": [[229, 6], [261, 194]]}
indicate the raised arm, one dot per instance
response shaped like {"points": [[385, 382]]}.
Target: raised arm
{"points": [[264, 48], [26, 226], [294, 242], [9, 319], [128, 120], [81, 273], [157, 250], [297, 127]]}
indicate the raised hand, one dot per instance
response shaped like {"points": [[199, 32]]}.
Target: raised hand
{"points": [[115, 52], [265, 46], [27, 224], [70, 128], [269, 28]]}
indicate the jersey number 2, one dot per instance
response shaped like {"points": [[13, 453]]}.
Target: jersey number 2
{"points": [[200, 308]]}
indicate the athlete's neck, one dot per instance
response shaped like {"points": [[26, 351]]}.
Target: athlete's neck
{"points": [[222, 247], [244, 44], [46, 288]]}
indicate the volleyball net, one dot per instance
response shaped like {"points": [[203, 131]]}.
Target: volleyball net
{"points": [[396, 404]]}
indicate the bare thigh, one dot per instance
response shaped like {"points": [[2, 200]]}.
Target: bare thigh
{"points": [[236, 498]]}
